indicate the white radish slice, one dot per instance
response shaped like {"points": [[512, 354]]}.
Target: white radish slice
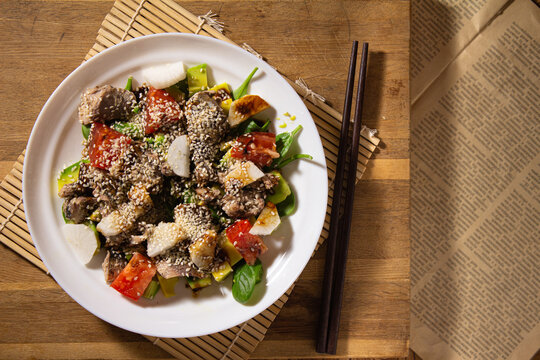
{"points": [[164, 75], [82, 240], [246, 172], [267, 221], [164, 237], [178, 156]]}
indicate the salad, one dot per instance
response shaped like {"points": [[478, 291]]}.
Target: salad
{"points": [[177, 179]]}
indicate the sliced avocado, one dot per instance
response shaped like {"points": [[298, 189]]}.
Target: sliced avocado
{"points": [[281, 190], [233, 254], [167, 285], [223, 272], [70, 174], [196, 283], [197, 79]]}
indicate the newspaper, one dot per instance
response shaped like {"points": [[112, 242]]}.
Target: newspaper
{"points": [[475, 180]]}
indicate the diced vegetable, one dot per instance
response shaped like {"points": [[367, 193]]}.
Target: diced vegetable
{"points": [[243, 88], [258, 147], [248, 245], [246, 172], [151, 290], [70, 174], [281, 190], [267, 221], [244, 281], [167, 285], [161, 110], [82, 240], [129, 84], [287, 206], [85, 131], [245, 107], [106, 145], [227, 246], [223, 272], [196, 283], [178, 156], [222, 86], [164, 237], [197, 79], [164, 75], [135, 277], [226, 105]]}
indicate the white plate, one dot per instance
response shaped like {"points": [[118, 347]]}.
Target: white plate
{"points": [[56, 141]]}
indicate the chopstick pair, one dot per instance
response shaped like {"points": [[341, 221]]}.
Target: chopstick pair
{"points": [[340, 224]]}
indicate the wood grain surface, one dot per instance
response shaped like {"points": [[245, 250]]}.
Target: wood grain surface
{"points": [[43, 41]]}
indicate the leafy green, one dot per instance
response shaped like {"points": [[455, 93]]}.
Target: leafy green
{"points": [[244, 280], [189, 196], [86, 131], [252, 125], [130, 129], [129, 85], [282, 162], [285, 140], [242, 89], [287, 206]]}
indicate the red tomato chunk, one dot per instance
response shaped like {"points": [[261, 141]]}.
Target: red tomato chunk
{"points": [[161, 109], [258, 147], [106, 145], [135, 277], [248, 245]]}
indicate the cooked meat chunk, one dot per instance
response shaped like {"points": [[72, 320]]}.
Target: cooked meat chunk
{"points": [[208, 194], [72, 190], [110, 191], [113, 264], [77, 209], [176, 262], [202, 251], [206, 126], [103, 103], [194, 219], [243, 203], [124, 220]]}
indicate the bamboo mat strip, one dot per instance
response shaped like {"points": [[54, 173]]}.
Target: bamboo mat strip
{"points": [[129, 19]]}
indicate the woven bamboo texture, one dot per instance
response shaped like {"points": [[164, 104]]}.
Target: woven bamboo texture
{"points": [[129, 19]]}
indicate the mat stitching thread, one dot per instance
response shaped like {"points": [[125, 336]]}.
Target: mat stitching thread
{"points": [[132, 20], [302, 83], [234, 341], [11, 214], [208, 18]]}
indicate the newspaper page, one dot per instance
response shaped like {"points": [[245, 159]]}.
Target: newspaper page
{"points": [[475, 198], [446, 27]]}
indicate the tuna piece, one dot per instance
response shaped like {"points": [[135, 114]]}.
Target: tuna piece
{"points": [[103, 103], [113, 264], [77, 209]]}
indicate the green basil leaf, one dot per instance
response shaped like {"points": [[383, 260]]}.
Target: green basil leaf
{"points": [[287, 206], [242, 89], [244, 280]]}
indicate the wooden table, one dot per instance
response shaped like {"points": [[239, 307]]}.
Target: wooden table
{"points": [[43, 41]]}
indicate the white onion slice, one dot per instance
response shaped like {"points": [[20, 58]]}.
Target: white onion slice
{"points": [[82, 240], [178, 156], [164, 75]]}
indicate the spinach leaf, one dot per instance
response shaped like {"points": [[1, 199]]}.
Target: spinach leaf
{"points": [[242, 89], [283, 144], [244, 280], [252, 125], [287, 206], [282, 162]]}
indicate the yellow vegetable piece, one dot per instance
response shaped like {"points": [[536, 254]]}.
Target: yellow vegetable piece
{"points": [[226, 105], [284, 125], [196, 283], [233, 254], [223, 272], [293, 117], [223, 86], [167, 285]]}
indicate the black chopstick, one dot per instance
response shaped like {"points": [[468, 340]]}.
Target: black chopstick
{"points": [[333, 286], [336, 205]]}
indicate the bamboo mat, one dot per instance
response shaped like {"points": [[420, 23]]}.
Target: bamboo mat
{"points": [[129, 19]]}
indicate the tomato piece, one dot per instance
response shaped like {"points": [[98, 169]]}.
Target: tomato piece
{"points": [[135, 277], [161, 109], [105, 145], [258, 147], [248, 245]]}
